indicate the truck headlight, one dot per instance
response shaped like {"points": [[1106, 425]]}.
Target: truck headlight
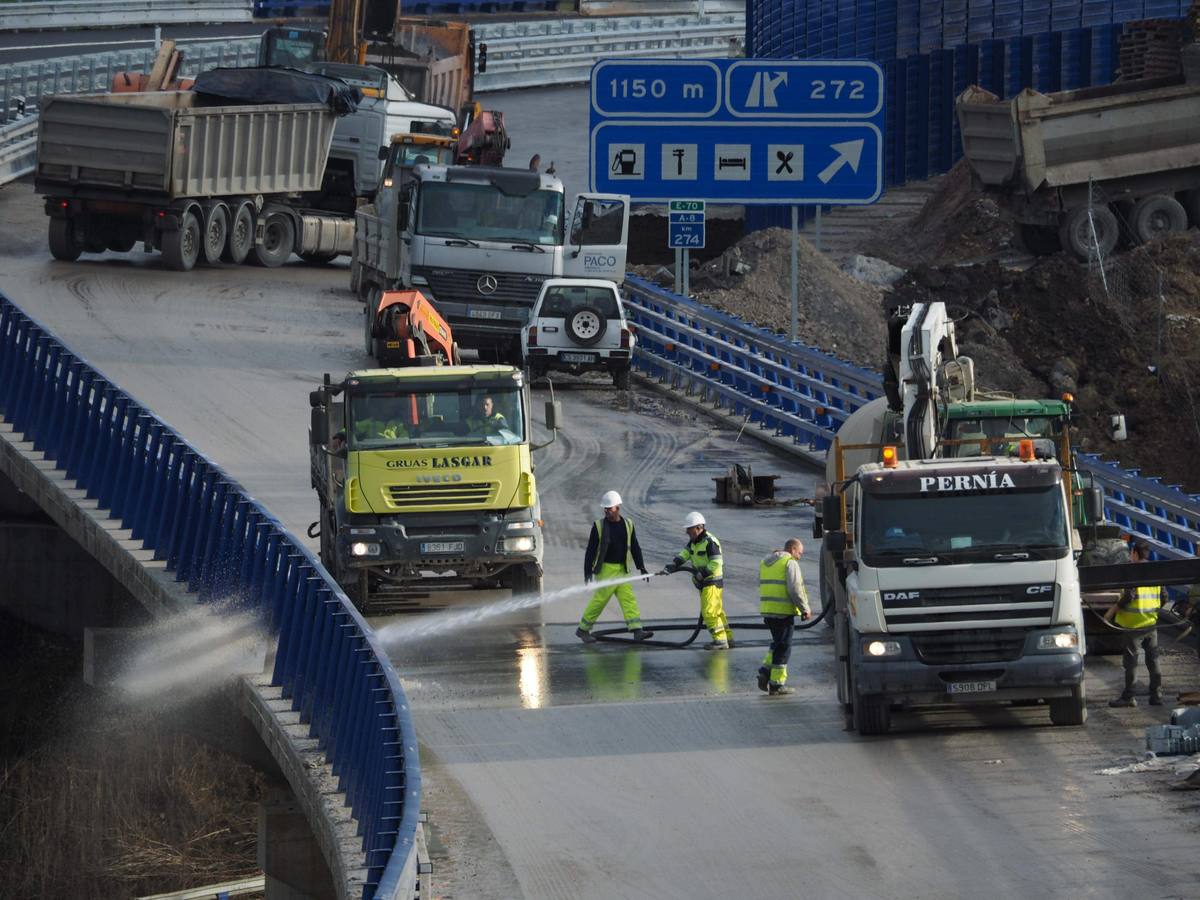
{"points": [[361, 548], [881, 648], [1062, 640], [519, 526], [518, 544]]}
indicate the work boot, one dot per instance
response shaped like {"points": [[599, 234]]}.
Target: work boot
{"points": [[1156, 698], [641, 634], [717, 645], [1123, 701], [729, 641], [763, 676], [586, 636], [780, 690]]}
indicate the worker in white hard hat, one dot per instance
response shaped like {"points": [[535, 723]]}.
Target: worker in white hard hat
{"points": [[612, 552], [703, 551]]}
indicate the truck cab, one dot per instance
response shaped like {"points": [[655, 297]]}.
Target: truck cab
{"points": [[480, 241], [425, 481], [954, 582]]}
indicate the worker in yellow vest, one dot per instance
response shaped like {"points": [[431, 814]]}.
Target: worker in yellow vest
{"points": [[782, 597], [612, 553], [703, 552], [1137, 611]]}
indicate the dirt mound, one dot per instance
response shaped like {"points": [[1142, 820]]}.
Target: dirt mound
{"points": [[835, 312], [956, 224], [1054, 328]]}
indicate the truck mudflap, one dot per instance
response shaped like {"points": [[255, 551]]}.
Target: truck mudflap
{"points": [[911, 678]]}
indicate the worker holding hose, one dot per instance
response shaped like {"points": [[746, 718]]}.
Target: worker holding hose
{"points": [[612, 552], [704, 553], [1137, 612], [782, 597]]}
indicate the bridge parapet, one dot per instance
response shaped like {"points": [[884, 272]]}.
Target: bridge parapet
{"points": [[331, 684]]}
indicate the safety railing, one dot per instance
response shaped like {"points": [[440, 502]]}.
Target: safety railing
{"points": [[18, 149], [33, 16], [221, 543], [541, 52], [802, 395]]}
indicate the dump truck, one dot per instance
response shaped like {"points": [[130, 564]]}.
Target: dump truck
{"points": [[1080, 170], [479, 242], [425, 482], [194, 181]]}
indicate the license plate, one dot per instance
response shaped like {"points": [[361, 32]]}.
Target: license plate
{"points": [[577, 357], [442, 547], [970, 687], [484, 313]]}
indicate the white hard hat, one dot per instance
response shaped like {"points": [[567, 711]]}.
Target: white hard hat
{"points": [[693, 519], [610, 499]]}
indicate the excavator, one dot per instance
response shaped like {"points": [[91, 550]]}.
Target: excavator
{"points": [[433, 60]]}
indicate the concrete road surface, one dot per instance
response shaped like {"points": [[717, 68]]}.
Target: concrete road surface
{"points": [[555, 770]]}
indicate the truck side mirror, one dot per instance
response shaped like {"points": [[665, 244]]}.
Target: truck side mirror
{"points": [[554, 415], [1093, 505], [835, 543], [316, 399], [318, 430], [831, 512], [383, 153]]}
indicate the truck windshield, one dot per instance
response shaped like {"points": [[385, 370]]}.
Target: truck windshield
{"points": [[1003, 436], [451, 418], [481, 212], [405, 156], [991, 526]]}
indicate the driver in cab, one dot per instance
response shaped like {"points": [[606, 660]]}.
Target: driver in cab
{"points": [[486, 420], [382, 421]]}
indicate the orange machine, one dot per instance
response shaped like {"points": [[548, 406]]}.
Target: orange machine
{"points": [[405, 329]]}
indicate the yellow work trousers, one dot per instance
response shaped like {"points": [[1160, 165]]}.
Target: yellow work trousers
{"points": [[712, 609], [625, 596]]}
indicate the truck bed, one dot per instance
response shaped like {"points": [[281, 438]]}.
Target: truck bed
{"points": [[1037, 141], [162, 146]]}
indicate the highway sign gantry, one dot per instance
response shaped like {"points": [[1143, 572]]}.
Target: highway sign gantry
{"points": [[761, 131]]}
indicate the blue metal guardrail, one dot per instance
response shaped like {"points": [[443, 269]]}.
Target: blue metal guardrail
{"points": [[802, 394], [221, 542]]}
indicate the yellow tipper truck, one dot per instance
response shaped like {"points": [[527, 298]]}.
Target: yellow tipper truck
{"points": [[425, 482]]}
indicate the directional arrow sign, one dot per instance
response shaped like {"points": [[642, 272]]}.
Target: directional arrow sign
{"points": [[848, 154], [761, 131]]}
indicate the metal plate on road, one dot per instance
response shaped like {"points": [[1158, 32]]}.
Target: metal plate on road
{"points": [[970, 687], [759, 131], [443, 547]]}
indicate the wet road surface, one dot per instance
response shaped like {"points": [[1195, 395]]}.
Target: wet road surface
{"points": [[558, 770]]}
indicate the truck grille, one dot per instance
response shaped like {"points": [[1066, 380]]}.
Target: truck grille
{"points": [[465, 493], [942, 608], [940, 648], [463, 285]]}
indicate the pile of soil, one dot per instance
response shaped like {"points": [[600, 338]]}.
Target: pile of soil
{"points": [[1054, 328], [836, 313], [957, 224]]}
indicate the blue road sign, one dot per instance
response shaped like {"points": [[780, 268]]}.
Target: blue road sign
{"points": [[685, 224], [760, 131]]}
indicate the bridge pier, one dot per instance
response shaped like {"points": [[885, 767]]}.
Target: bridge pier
{"points": [[288, 853]]}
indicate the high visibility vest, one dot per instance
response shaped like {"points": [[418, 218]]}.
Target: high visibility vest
{"points": [[705, 556], [602, 545], [773, 599], [1142, 611]]}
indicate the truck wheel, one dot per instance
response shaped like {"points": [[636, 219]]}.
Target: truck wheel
{"points": [[622, 378], [872, 715], [181, 248], [586, 326], [279, 237], [1155, 217], [524, 580], [216, 232], [1070, 710], [62, 240], [241, 236], [1075, 232], [1040, 240]]}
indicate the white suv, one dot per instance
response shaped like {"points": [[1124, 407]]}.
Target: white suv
{"points": [[578, 325]]}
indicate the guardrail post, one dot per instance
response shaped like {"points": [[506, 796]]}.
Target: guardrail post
{"points": [[310, 626], [132, 443], [207, 547], [199, 501], [151, 481], [289, 610]]}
